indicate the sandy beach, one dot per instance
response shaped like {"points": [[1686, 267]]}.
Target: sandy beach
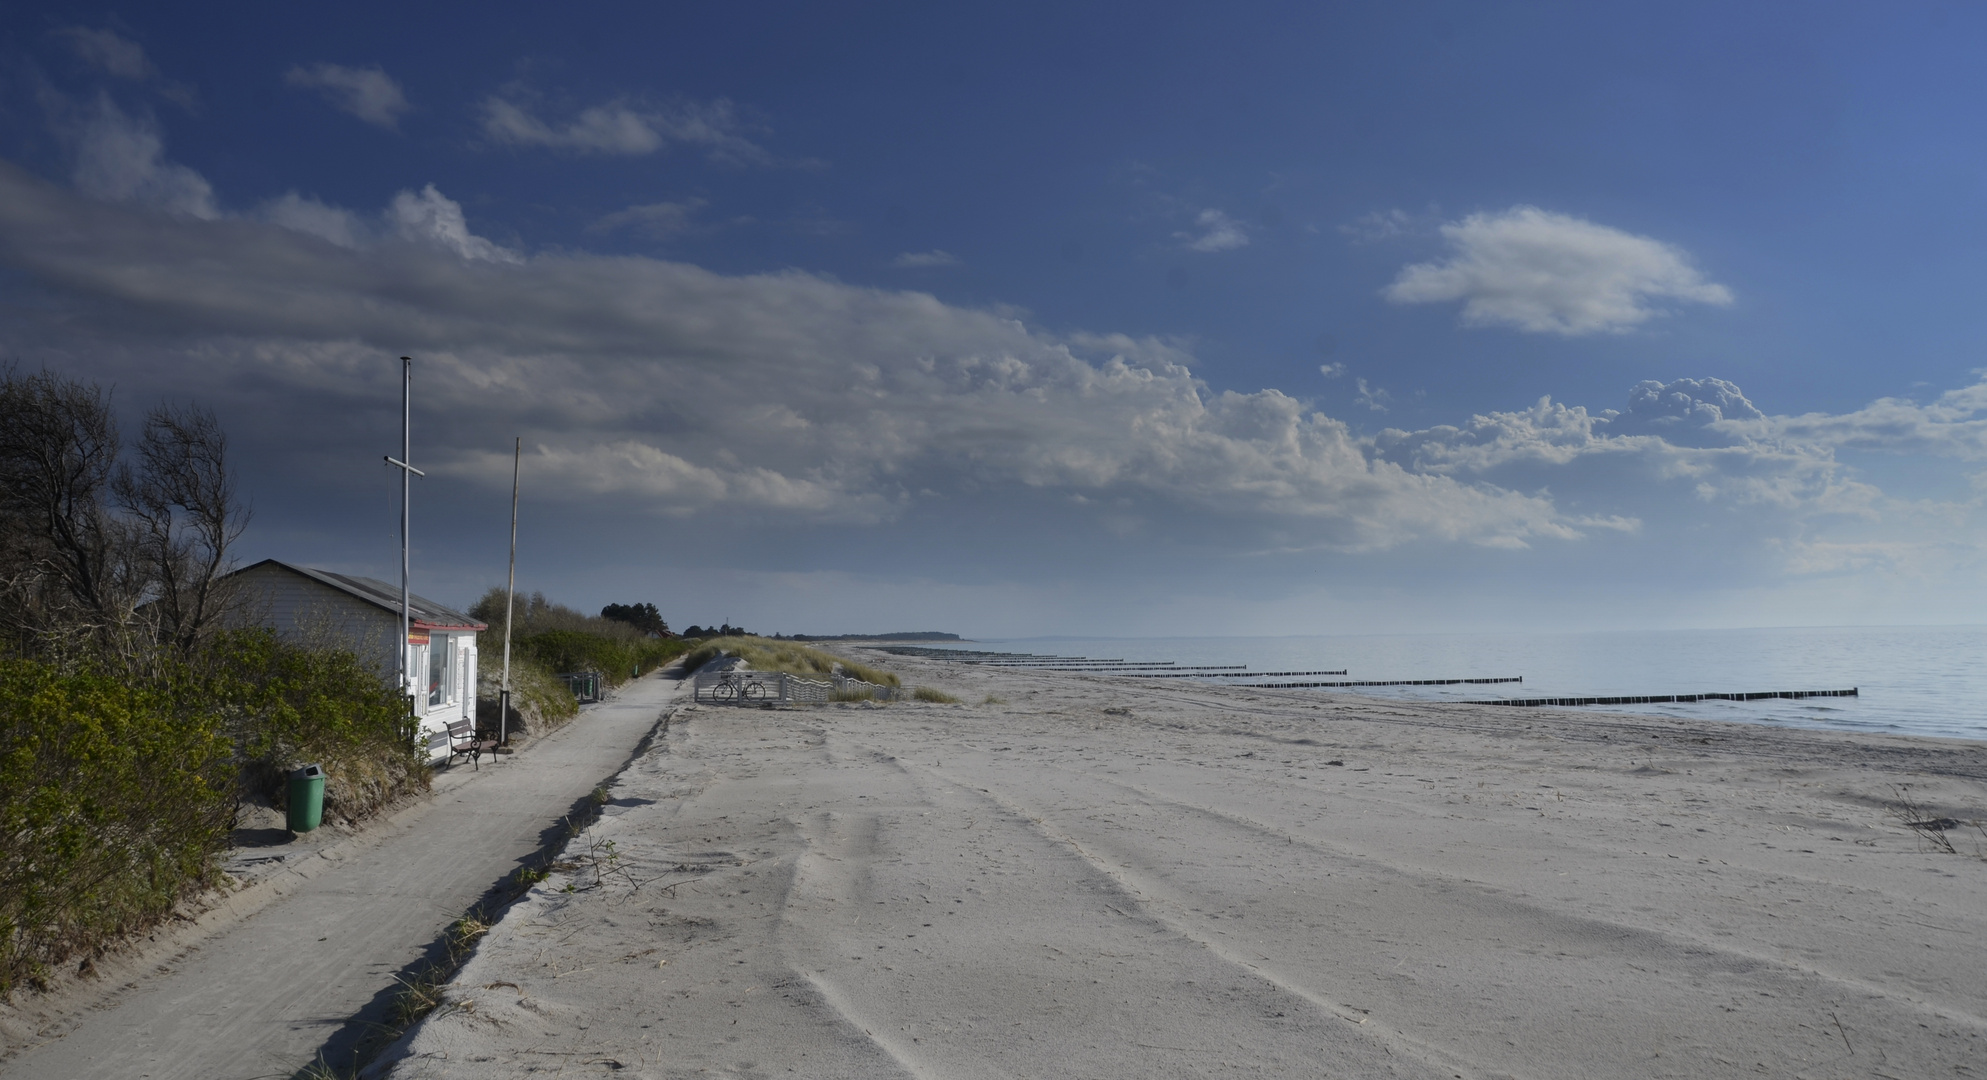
{"points": [[1107, 877]]}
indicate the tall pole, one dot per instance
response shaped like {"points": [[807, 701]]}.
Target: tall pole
{"points": [[510, 603], [406, 504], [407, 472]]}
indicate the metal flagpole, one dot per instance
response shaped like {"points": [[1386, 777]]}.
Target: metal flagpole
{"points": [[407, 472], [510, 603]]}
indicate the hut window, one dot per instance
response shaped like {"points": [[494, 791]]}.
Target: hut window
{"points": [[438, 668]]}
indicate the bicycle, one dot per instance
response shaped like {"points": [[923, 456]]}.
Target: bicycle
{"points": [[732, 688]]}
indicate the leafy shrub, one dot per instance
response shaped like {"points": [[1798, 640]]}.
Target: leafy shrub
{"points": [[113, 799], [616, 658], [117, 792], [285, 706]]}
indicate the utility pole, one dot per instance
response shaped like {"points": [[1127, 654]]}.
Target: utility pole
{"points": [[510, 604], [407, 473]]}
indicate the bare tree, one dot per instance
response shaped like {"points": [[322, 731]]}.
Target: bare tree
{"points": [[184, 516], [124, 558], [64, 549]]}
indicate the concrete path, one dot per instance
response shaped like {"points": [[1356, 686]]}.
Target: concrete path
{"points": [[312, 973]]}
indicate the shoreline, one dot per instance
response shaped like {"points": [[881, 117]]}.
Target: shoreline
{"points": [[1103, 874]]}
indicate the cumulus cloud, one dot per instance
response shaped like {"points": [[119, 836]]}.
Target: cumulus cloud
{"points": [[426, 217], [300, 213], [368, 93], [660, 220], [861, 403], [431, 217], [1214, 231], [627, 128], [122, 158], [1953, 425], [666, 388], [1543, 272], [925, 260], [1681, 448]]}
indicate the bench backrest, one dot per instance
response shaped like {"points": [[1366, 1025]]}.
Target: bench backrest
{"points": [[458, 729]]}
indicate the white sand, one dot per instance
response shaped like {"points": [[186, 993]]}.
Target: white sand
{"points": [[1060, 888]]}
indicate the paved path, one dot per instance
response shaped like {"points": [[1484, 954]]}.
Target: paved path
{"points": [[310, 974]]}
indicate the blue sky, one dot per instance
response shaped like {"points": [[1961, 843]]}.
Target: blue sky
{"points": [[1049, 319]]}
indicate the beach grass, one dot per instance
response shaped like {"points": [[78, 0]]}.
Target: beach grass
{"points": [[927, 693], [766, 654]]}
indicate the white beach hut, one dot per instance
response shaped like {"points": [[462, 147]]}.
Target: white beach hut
{"points": [[363, 614]]}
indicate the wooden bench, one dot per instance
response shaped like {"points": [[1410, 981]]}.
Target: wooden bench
{"points": [[465, 741]]}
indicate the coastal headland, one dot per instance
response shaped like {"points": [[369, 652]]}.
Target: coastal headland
{"points": [[1100, 876]]}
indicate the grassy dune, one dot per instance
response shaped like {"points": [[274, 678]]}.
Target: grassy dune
{"points": [[765, 654]]}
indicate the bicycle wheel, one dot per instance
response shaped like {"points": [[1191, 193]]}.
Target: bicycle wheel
{"points": [[754, 691], [724, 691]]}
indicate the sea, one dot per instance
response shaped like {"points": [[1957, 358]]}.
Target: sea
{"points": [[1911, 680]]}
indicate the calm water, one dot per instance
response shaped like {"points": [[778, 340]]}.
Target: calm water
{"points": [[1914, 680]]}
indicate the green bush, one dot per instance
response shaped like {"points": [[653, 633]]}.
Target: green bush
{"points": [[117, 792], [616, 658], [113, 800], [287, 706]]}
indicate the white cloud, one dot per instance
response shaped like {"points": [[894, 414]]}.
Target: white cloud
{"points": [[426, 217], [925, 260], [660, 220], [299, 213], [432, 217], [368, 93], [1552, 273], [1953, 425], [1332, 371], [1373, 397], [122, 158], [841, 403], [628, 128], [789, 397], [1214, 231], [106, 50]]}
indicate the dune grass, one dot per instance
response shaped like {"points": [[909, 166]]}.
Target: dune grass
{"points": [[932, 694], [765, 654]]}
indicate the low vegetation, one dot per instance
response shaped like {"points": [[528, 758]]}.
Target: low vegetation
{"points": [[927, 693], [550, 639], [116, 797], [136, 715], [119, 792], [766, 654]]}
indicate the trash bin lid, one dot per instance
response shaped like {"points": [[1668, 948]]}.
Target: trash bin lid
{"points": [[309, 772]]}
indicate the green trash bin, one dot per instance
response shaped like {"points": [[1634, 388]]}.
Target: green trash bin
{"points": [[306, 798]]}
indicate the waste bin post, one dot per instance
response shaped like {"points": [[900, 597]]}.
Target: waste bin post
{"points": [[306, 802]]}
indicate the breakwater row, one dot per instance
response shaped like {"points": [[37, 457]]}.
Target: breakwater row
{"points": [[1658, 699], [1380, 682]]}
